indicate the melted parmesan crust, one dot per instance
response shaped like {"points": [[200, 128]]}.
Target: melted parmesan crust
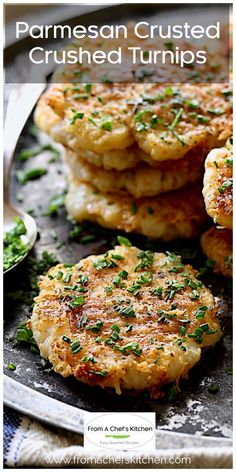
{"points": [[118, 337], [164, 122]]}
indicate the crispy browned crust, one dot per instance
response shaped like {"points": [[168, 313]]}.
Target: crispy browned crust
{"points": [[161, 352], [205, 121]]}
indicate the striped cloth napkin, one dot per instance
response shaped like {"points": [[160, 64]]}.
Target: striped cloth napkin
{"points": [[28, 443]]}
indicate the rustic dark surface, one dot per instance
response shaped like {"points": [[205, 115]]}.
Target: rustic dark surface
{"points": [[195, 409]]}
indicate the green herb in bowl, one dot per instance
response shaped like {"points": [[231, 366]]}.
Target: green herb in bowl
{"points": [[14, 244]]}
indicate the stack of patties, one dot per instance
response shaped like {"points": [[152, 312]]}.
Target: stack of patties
{"points": [[218, 196], [136, 152]]}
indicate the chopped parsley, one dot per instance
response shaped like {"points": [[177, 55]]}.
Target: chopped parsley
{"points": [[14, 247]]}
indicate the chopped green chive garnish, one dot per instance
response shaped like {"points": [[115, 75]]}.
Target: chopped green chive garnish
{"points": [[226, 184], [146, 260], [107, 125], [89, 358], [157, 291], [96, 327], [88, 88], [200, 313], [130, 347], [77, 301], [123, 274], [30, 174], [76, 116], [117, 257], [123, 241], [100, 373], [75, 347], [229, 161]]}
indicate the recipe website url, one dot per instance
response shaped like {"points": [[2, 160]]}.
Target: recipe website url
{"points": [[107, 460]]}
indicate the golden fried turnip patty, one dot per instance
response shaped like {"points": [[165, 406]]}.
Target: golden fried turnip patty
{"points": [[143, 180], [218, 185], [127, 319], [165, 122], [177, 214]]}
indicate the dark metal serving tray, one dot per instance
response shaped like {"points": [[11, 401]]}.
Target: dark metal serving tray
{"points": [[195, 409]]}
